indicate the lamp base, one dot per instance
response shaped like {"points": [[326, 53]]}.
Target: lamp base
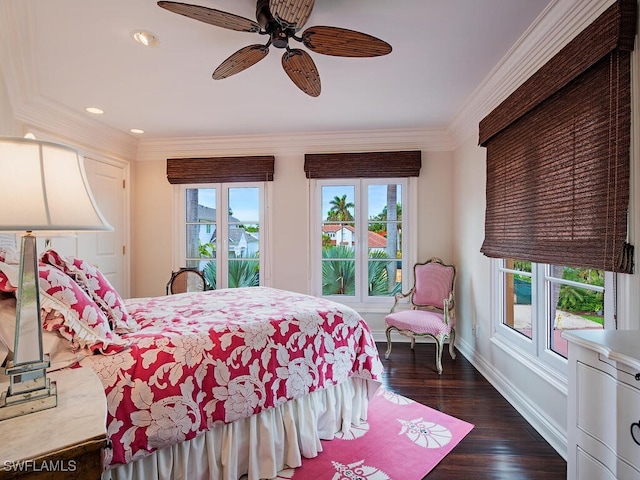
{"points": [[12, 406], [29, 390]]}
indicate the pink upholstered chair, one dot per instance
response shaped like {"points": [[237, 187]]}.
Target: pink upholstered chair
{"points": [[431, 313]]}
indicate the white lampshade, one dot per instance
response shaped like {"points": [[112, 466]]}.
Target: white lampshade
{"points": [[43, 186]]}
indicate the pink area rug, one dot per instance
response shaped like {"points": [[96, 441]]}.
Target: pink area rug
{"points": [[401, 440]]}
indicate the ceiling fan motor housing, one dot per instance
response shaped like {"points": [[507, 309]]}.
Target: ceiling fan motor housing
{"points": [[279, 37]]}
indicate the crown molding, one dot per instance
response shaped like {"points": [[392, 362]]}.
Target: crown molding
{"points": [[37, 112], [558, 24], [288, 144], [82, 131]]}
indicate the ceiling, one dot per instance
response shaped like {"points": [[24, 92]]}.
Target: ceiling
{"points": [[71, 54]]}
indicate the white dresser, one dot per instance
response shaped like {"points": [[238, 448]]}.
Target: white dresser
{"points": [[603, 432]]}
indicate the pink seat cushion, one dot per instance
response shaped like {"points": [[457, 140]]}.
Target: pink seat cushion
{"points": [[418, 321]]}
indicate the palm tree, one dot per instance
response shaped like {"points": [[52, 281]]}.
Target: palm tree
{"points": [[340, 209]]}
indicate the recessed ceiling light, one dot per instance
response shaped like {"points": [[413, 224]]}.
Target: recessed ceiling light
{"points": [[95, 110], [136, 130], [143, 37]]}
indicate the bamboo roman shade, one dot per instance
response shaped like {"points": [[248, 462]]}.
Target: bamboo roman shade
{"points": [[220, 169], [558, 154], [363, 165]]}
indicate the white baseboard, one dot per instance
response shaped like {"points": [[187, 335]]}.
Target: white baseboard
{"points": [[548, 430]]}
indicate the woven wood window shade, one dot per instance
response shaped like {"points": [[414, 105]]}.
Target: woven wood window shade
{"points": [[220, 169], [363, 165], [558, 154]]}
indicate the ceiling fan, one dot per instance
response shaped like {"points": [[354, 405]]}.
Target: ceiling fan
{"points": [[282, 20]]}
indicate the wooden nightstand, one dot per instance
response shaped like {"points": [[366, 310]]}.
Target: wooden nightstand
{"points": [[64, 442]]}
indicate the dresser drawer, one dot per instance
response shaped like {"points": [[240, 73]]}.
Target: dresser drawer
{"points": [[600, 395], [589, 468]]}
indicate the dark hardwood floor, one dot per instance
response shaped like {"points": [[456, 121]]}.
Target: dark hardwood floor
{"points": [[501, 446]]}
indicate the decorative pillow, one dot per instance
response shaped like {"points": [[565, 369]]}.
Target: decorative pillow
{"points": [[60, 352], [97, 286], [8, 277], [10, 255], [82, 321]]}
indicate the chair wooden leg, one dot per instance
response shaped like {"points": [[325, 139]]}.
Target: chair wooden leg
{"points": [[452, 340], [388, 352], [439, 349]]}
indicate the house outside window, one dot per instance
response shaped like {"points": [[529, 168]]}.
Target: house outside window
{"points": [[361, 250], [535, 303], [221, 233]]}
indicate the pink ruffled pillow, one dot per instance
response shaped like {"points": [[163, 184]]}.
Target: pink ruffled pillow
{"points": [[7, 271], [97, 287], [5, 283], [81, 321]]}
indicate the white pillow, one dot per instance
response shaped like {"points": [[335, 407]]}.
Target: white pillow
{"points": [[59, 349]]}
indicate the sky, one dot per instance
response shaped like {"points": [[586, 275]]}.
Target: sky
{"points": [[242, 201]]}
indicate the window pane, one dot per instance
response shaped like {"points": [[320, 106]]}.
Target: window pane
{"points": [[201, 241], [518, 309], [385, 278], [384, 214], [244, 204], [200, 229], [338, 202], [201, 205], [243, 235], [576, 303], [243, 273], [338, 277], [244, 240], [339, 240]]}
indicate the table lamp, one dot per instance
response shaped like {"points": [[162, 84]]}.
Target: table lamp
{"points": [[43, 188]]}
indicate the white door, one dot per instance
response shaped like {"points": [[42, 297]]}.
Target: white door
{"points": [[107, 249]]}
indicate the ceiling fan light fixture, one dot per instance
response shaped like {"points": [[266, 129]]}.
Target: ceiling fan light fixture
{"points": [[146, 38], [138, 131]]}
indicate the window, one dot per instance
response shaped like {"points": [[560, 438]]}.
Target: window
{"points": [[361, 238], [537, 302], [558, 154], [221, 234]]}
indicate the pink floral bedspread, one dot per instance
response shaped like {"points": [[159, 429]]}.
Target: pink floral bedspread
{"points": [[208, 358]]}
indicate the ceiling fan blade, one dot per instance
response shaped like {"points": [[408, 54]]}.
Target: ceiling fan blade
{"points": [[302, 71], [212, 17], [291, 12], [342, 42], [241, 60]]}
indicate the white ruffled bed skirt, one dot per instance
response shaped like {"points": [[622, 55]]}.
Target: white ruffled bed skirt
{"points": [[261, 445]]}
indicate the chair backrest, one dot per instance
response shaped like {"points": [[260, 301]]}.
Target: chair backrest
{"points": [[186, 280], [433, 283]]}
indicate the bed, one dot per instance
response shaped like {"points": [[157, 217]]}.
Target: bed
{"points": [[215, 384]]}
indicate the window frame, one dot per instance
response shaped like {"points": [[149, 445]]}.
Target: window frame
{"points": [[538, 347], [222, 225], [361, 299]]}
